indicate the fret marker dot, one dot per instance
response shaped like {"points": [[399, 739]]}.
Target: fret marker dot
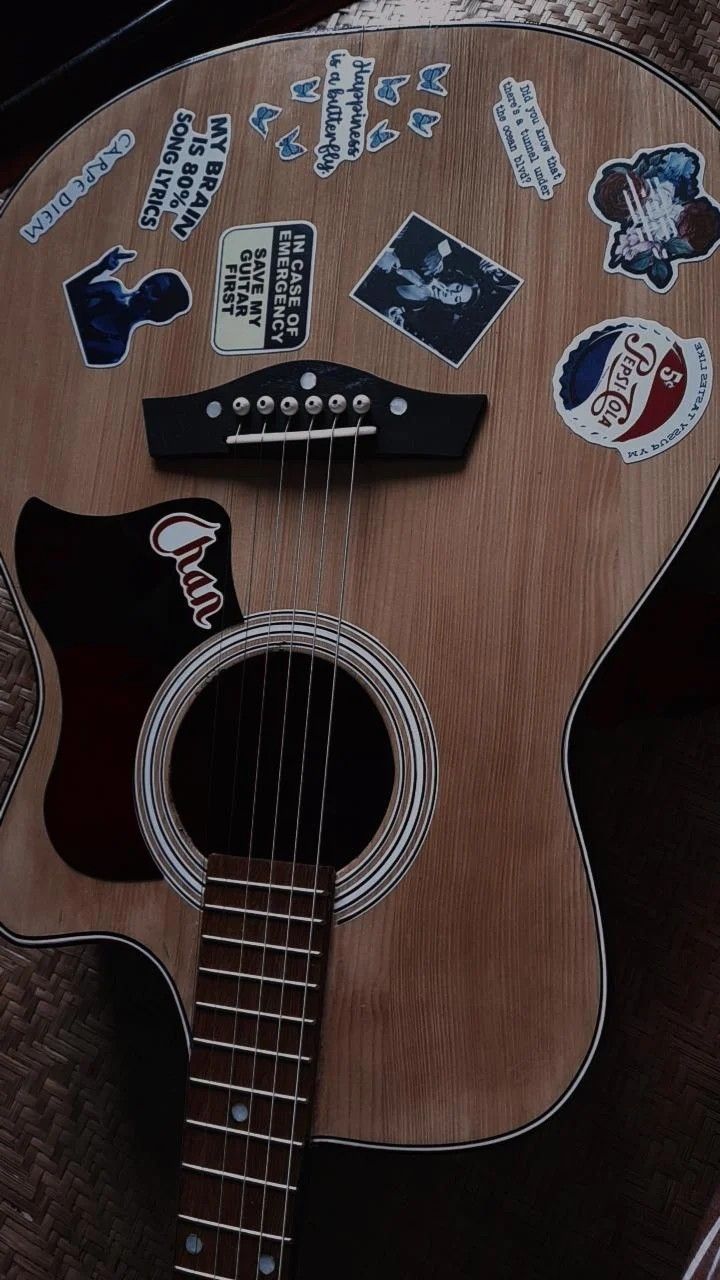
{"points": [[239, 1113], [266, 1265], [193, 1244]]}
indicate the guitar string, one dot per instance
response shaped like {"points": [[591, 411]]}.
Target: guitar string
{"points": [[213, 746], [232, 806], [242, 948], [276, 1060], [314, 897], [296, 572]]}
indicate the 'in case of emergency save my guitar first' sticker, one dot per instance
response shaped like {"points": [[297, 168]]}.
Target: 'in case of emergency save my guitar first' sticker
{"points": [[263, 291], [633, 385], [659, 212]]}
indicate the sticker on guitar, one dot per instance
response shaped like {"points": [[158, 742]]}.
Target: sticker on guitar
{"points": [[659, 212], [344, 110], [263, 288], [526, 138], [436, 289], [633, 385], [91, 173], [184, 538], [188, 173], [105, 314]]}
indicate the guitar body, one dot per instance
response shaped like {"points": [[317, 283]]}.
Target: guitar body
{"points": [[465, 995]]}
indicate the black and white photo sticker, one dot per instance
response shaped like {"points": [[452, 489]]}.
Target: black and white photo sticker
{"points": [[439, 291]]}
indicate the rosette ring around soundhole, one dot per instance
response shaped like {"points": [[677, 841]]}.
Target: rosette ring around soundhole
{"points": [[399, 837]]}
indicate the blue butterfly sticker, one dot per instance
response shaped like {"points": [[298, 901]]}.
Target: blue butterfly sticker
{"points": [[381, 136], [305, 90], [388, 89], [430, 78], [261, 115], [423, 122], [288, 146]]}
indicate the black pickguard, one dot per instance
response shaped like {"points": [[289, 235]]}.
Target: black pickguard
{"points": [[114, 615]]}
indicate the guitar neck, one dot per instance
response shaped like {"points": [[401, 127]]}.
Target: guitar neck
{"points": [[261, 973]]}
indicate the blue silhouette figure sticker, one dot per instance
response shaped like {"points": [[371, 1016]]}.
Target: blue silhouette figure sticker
{"points": [[388, 88], [431, 78], [261, 116], [659, 213], [105, 314], [288, 146], [423, 122], [381, 136], [305, 90]]}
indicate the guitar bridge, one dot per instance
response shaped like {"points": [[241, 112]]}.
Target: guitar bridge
{"points": [[312, 401]]}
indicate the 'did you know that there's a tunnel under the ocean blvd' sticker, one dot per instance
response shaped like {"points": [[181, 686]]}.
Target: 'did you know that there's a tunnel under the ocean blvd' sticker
{"points": [[633, 385], [263, 290]]}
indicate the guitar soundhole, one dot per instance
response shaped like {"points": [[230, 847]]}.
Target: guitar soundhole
{"points": [[238, 778]]}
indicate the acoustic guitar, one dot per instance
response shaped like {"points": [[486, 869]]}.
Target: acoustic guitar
{"points": [[357, 395]]}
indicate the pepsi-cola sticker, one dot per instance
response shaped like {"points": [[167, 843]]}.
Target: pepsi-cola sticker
{"points": [[633, 385], [659, 213]]}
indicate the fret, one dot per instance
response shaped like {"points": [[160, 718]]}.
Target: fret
{"points": [[240, 1231], [246, 1133], [254, 1013], [251, 1048], [266, 915], [266, 946], [269, 887], [257, 977], [252, 1066], [238, 1177], [240, 1088]]}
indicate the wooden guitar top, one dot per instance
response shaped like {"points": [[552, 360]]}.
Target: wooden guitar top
{"points": [[466, 1003]]}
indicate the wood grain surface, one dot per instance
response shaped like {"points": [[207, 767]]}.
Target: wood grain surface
{"points": [[463, 1005]]}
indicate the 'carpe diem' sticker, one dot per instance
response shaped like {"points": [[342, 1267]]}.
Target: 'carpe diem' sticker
{"points": [[105, 314], [659, 212], [188, 173], [633, 385], [344, 110], [92, 171], [437, 290], [264, 288], [526, 138]]}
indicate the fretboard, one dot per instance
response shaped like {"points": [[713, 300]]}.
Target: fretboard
{"points": [[261, 970]]}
